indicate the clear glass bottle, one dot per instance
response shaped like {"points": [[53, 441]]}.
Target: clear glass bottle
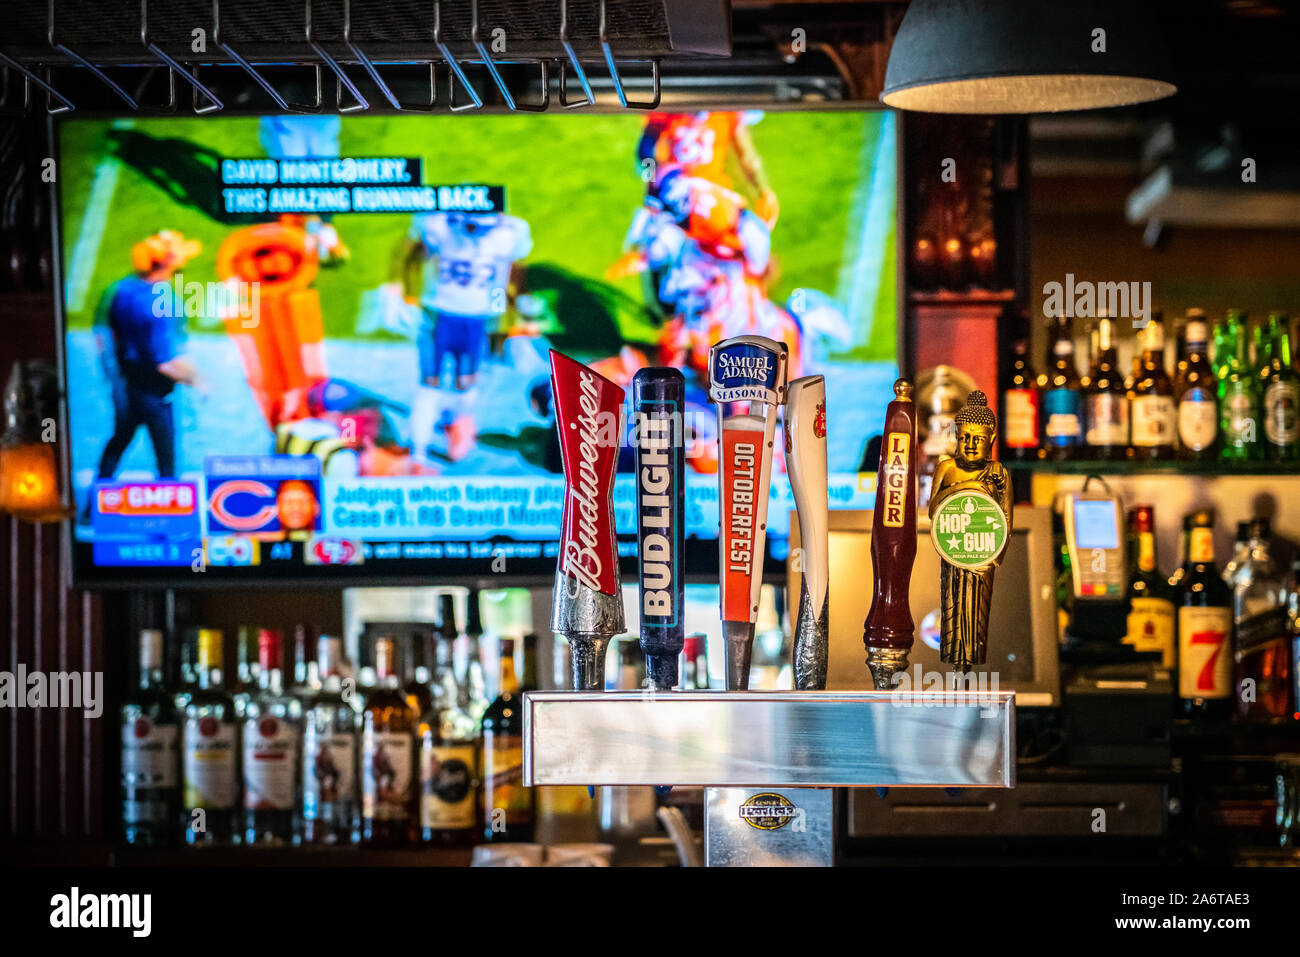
{"points": [[474, 683], [1262, 642], [210, 748], [329, 753], [272, 733], [150, 752]]}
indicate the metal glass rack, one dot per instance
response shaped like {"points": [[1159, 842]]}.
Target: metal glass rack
{"points": [[48, 46]]}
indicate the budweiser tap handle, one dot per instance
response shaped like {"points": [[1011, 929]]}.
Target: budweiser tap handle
{"points": [[658, 397], [805, 463], [748, 370], [587, 604], [888, 632]]}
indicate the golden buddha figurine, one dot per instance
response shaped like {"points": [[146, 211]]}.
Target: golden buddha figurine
{"points": [[970, 525]]}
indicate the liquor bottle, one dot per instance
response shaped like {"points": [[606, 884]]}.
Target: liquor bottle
{"points": [[272, 730], [188, 669], [1020, 406], [210, 743], [1062, 400], [1153, 412], [416, 686], [631, 665], [507, 804], [150, 752], [1221, 348], [1151, 599], [695, 663], [1105, 400], [1238, 396], [1204, 626], [1196, 392], [1293, 626], [388, 726], [1280, 394], [306, 674], [1240, 552], [1263, 644], [448, 763], [329, 753], [473, 686], [246, 668]]}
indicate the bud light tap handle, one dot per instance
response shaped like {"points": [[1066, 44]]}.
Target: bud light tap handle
{"points": [[805, 463], [658, 398], [587, 603], [749, 370]]}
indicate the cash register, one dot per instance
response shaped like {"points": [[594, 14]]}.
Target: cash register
{"points": [[1117, 701]]}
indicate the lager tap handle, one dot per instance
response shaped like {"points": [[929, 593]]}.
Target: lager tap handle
{"points": [[888, 632], [805, 462]]}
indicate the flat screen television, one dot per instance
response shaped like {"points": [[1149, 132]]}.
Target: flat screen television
{"points": [[315, 347]]}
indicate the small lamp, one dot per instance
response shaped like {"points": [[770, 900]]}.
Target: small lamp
{"points": [[29, 473]]}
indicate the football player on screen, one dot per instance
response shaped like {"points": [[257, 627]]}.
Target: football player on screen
{"points": [[469, 261]]}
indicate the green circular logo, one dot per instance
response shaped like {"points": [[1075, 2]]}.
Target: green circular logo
{"points": [[969, 529]]}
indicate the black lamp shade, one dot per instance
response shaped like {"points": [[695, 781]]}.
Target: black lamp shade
{"points": [[1025, 56]]}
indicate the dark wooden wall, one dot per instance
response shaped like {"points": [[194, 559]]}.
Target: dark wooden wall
{"points": [[51, 759]]}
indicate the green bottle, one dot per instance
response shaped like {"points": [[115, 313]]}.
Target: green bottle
{"points": [[1238, 399], [1220, 348], [1280, 388]]}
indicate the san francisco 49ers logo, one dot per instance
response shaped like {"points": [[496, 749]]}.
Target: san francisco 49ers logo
{"points": [[819, 421]]}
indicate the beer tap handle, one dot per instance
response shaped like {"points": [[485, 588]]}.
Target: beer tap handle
{"points": [[750, 370], [805, 462]]}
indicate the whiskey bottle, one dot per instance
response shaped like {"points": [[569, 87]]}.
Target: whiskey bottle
{"points": [[210, 743], [448, 763], [1062, 400], [507, 804], [150, 753], [1263, 643], [1196, 391], [1151, 599], [1204, 626], [1020, 407], [329, 753], [388, 726], [695, 663], [1106, 410], [1153, 412]]}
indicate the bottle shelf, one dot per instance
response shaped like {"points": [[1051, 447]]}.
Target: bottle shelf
{"points": [[1155, 467]]}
